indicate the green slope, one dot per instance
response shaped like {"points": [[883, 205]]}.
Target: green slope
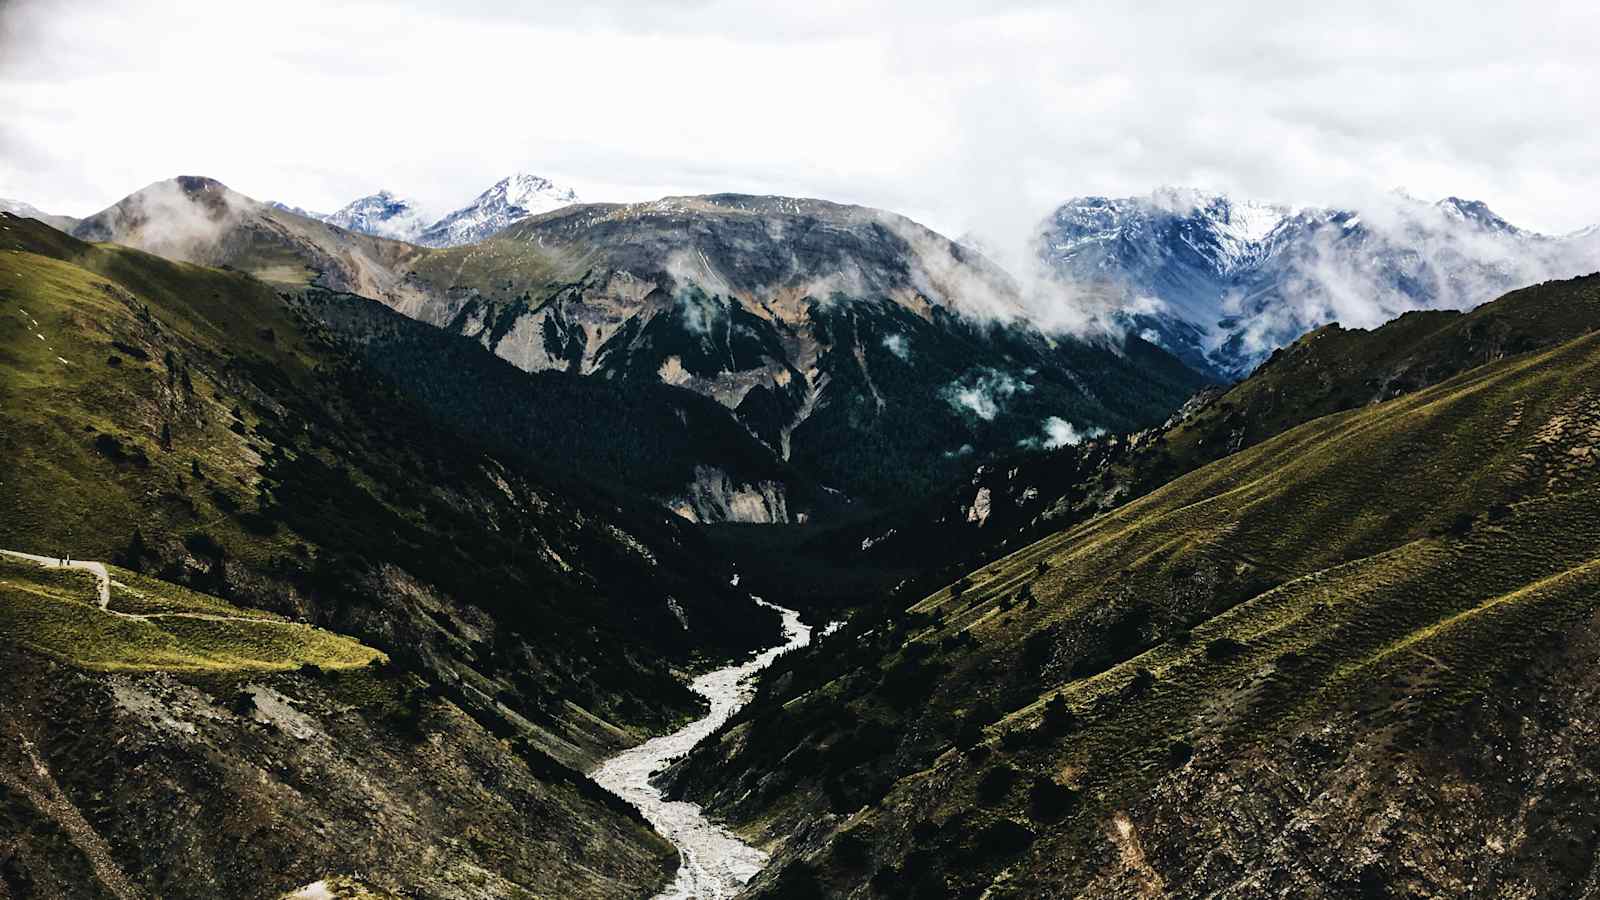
{"points": [[151, 625], [1395, 568], [276, 509]]}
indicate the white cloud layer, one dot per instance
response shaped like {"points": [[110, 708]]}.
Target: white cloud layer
{"points": [[962, 115]]}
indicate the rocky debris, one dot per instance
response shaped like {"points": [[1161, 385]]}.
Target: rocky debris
{"points": [[197, 787]]}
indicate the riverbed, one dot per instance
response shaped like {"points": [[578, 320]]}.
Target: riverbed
{"points": [[713, 863]]}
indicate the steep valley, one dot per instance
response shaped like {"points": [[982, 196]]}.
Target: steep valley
{"points": [[395, 558]]}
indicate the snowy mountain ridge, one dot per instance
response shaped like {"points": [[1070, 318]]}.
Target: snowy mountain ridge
{"points": [[509, 201], [387, 215], [383, 215], [1223, 282]]}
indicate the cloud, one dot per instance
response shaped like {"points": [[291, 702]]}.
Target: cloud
{"points": [[1057, 433], [1397, 254], [959, 114], [898, 345], [172, 219], [983, 392]]}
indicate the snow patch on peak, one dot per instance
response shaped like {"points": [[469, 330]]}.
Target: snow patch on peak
{"points": [[382, 215], [510, 200]]}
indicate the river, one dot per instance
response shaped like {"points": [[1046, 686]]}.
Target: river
{"points": [[713, 863]]}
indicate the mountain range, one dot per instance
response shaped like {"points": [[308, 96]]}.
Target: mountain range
{"points": [[385, 215], [868, 355], [392, 543], [1223, 282]]}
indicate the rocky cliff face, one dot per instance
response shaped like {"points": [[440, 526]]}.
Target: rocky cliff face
{"points": [[868, 354], [713, 497], [832, 333]]}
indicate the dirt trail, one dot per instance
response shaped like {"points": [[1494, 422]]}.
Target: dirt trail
{"points": [[103, 584], [102, 577]]}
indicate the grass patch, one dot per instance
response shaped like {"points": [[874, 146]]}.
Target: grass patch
{"points": [[54, 612]]}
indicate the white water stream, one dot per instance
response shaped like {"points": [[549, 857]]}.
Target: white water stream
{"points": [[713, 863]]}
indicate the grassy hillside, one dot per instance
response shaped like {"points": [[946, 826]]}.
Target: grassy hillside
{"points": [[1397, 580], [1033, 494], [150, 625], [187, 421], [274, 508]]}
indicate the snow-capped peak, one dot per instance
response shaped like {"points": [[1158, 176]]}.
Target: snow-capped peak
{"points": [[382, 214], [1475, 211], [509, 201], [19, 208], [528, 191], [1228, 233]]}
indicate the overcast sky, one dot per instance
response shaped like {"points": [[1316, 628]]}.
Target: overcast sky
{"points": [[963, 115]]}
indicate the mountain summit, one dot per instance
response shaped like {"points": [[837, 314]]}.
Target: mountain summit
{"points": [[382, 215], [510, 201]]}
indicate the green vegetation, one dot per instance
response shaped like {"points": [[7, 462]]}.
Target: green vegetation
{"points": [[192, 425], [55, 611], [1406, 559]]}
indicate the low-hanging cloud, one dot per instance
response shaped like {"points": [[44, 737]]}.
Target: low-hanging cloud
{"points": [[1057, 432], [1396, 255], [984, 392], [184, 219]]}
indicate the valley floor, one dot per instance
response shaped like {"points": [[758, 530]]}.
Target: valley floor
{"points": [[714, 863]]}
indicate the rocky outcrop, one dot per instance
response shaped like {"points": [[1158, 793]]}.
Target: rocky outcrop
{"points": [[129, 786], [713, 497]]}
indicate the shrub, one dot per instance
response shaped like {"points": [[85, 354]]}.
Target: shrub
{"points": [[1013, 739], [970, 734], [1049, 800], [996, 784], [1058, 717], [851, 850], [203, 545], [1143, 680], [798, 881], [1004, 838], [1223, 648]]}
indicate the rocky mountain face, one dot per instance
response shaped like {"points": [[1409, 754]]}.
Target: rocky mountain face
{"points": [[867, 355], [1222, 282], [858, 346], [509, 201], [200, 220], [28, 211], [1323, 663]]}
